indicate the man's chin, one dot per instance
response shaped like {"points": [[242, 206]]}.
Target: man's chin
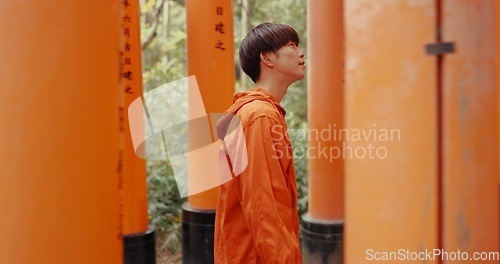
{"points": [[302, 76]]}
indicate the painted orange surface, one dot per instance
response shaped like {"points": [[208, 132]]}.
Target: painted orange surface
{"points": [[211, 60], [325, 60], [470, 183], [59, 195], [135, 218], [497, 50], [391, 197]]}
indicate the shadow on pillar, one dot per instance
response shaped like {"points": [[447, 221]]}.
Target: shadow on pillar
{"points": [[197, 235], [321, 242], [140, 248]]}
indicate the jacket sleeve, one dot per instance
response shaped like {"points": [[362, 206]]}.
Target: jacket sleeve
{"points": [[265, 195]]}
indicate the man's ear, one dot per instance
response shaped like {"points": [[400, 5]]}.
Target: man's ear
{"points": [[266, 59]]}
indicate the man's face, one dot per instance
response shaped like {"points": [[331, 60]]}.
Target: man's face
{"points": [[290, 61]]}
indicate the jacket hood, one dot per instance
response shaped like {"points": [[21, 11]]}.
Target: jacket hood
{"points": [[239, 100]]}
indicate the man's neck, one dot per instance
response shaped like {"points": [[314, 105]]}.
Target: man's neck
{"points": [[276, 89]]}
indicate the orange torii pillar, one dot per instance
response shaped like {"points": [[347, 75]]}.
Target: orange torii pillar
{"points": [[497, 34], [470, 219], [322, 226], [435, 185], [59, 195], [138, 240], [210, 54], [391, 197]]}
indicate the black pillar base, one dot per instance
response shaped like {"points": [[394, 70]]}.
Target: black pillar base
{"points": [[139, 248], [322, 242], [197, 235]]}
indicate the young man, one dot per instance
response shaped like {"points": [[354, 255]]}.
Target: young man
{"points": [[256, 218]]}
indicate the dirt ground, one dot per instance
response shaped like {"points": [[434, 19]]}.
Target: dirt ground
{"points": [[167, 257]]}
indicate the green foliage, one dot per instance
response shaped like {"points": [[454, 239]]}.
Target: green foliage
{"points": [[164, 60], [164, 204]]}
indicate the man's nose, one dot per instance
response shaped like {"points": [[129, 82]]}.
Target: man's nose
{"points": [[301, 54]]}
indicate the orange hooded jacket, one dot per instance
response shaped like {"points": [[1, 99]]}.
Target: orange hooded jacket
{"points": [[256, 218]]}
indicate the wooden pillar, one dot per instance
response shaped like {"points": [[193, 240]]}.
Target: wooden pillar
{"points": [[59, 195], [139, 241], [325, 94], [470, 181], [322, 225], [210, 54], [391, 90], [497, 76]]}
